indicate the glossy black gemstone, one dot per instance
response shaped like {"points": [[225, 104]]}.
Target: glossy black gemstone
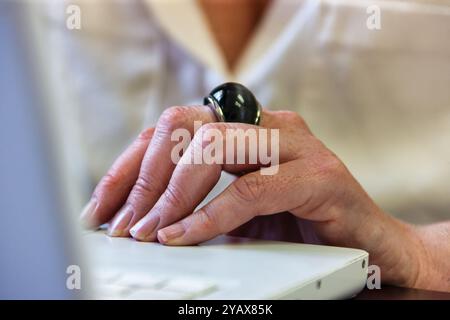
{"points": [[238, 104]]}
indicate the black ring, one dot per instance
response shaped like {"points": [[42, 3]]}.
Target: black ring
{"points": [[232, 102]]}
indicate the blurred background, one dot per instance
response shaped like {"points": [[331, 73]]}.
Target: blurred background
{"points": [[377, 95]]}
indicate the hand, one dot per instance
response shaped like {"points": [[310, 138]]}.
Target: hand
{"points": [[157, 197]]}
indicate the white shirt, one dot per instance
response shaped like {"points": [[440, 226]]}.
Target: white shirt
{"points": [[380, 99]]}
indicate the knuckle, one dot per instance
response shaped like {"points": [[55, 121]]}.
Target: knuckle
{"points": [[298, 119], [329, 166], [146, 134], [248, 188], [208, 221], [174, 197], [173, 118], [111, 180], [334, 166], [208, 133], [144, 186], [211, 126], [292, 115], [294, 118]]}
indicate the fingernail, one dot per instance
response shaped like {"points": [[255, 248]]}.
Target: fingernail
{"points": [[144, 229], [170, 233], [87, 213], [120, 223]]}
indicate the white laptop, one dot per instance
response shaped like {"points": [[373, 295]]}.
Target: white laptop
{"points": [[224, 268], [40, 240]]}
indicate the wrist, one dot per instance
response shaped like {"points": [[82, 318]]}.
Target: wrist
{"points": [[435, 268], [393, 245]]}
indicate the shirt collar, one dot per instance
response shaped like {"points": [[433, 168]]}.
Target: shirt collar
{"points": [[185, 23]]}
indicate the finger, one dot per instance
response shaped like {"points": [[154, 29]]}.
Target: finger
{"points": [[157, 169], [157, 165], [113, 189], [191, 181], [291, 189]]}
